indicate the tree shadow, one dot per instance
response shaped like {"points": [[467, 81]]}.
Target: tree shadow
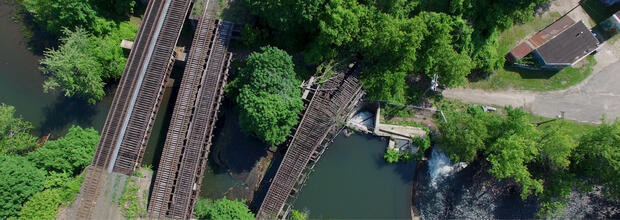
{"points": [[235, 11], [66, 111], [530, 74], [232, 149], [270, 174], [597, 10]]}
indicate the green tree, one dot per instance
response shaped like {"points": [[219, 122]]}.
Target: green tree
{"points": [[269, 95], [297, 215], [57, 15], [69, 154], [19, 180], [222, 209], [391, 155], [108, 52], [466, 133], [597, 158], [15, 134], [60, 188], [42, 205], [73, 69]]}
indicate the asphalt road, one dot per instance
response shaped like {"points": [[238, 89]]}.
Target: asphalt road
{"points": [[587, 102]]}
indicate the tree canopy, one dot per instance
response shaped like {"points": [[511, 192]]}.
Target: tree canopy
{"points": [[73, 69], [269, 95], [222, 209], [544, 160], [397, 38], [69, 154], [15, 134], [597, 158], [91, 15], [19, 180]]}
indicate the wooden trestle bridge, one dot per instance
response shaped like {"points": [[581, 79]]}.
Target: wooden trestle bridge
{"points": [[331, 104], [129, 123]]}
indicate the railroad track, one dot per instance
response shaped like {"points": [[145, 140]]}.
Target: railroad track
{"points": [[179, 176], [137, 98], [325, 109]]}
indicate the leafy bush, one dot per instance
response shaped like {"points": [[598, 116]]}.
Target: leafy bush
{"points": [[19, 180], [391, 155], [297, 215], [130, 203], [69, 154], [222, 209], [15, 134]]}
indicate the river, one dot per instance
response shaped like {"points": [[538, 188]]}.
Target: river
{"points": [[21, 86], [352, 180]]}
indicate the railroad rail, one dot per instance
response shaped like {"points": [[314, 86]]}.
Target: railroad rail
{"points": [[319, 125], [136, 101], [179, 177]]}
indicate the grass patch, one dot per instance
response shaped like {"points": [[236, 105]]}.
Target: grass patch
{"points": [[536, 80], [131, 206], [571, 128], [513, 36]]}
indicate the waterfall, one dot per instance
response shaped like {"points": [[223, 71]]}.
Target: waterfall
{"points": [[440, 167]]}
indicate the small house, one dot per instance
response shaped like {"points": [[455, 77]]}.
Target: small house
{"points": [[559, 45]]}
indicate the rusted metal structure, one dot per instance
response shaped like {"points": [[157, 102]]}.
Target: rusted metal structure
{"points": [[179, 176], [139, 93], [332, 102]]}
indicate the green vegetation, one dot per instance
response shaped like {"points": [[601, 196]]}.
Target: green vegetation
{"points": [[69, 154], [35, 182], [90, 33], [297, 215], [547, 161], [131, 206], [269, 96], [395, 38], [94, 16], [60, 189], [391, 155], [84, 62], [19, 180], [15, 134], [222, 209]]}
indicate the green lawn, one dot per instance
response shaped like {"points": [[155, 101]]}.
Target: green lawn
{"points": [[541, 80], [536, 80], [571, 128], [513, 36]]}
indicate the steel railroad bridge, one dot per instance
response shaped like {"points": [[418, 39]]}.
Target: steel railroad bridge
{"points": [[332, 103], [184, 157], [130, 120]]}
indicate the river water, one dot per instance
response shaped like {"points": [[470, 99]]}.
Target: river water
{"points": [[21, 86], [352, 180]]}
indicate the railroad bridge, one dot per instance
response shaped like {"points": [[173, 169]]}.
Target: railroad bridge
{"points": [[130, 120], [331, 104]]}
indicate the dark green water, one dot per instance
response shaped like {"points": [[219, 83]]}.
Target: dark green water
{"points": [[352, 180], [21, 86]]}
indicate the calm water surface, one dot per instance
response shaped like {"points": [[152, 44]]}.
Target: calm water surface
{"points": [[21, 80], [352, 180]]}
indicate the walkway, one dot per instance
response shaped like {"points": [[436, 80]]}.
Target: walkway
{"points": [[324, 114]]}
